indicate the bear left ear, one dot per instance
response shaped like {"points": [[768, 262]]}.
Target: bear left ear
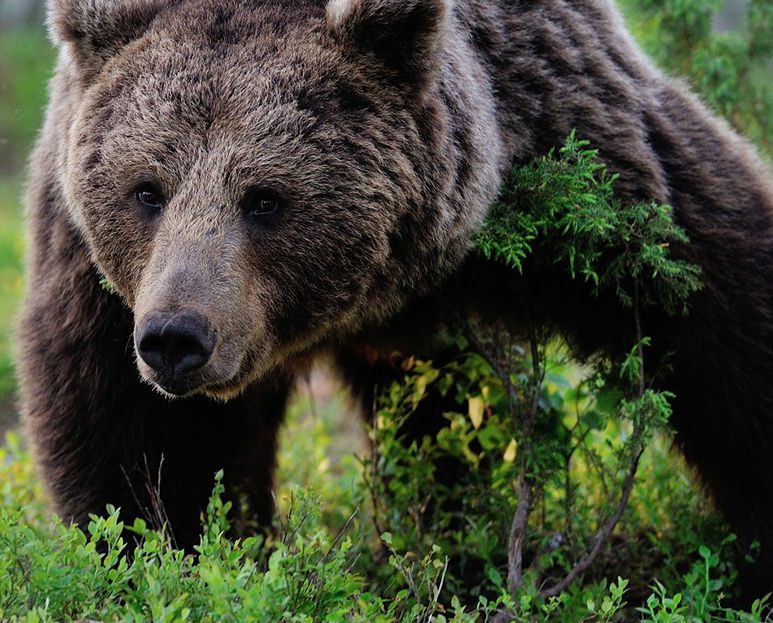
{"points": [[406, 35], [96, 30]]}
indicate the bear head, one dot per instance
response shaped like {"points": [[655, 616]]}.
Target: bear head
{"points": [[258, 178]]}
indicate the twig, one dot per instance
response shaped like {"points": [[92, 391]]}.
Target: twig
{"points": [[526, 486], [374, 498], [501, 373], [538, 375], [601, 536], [438, 588], [340, 534], [518, 534], [157, 504], [376, 516], [609, 525], [155, 513]]}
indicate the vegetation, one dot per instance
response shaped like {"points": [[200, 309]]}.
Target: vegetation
{"points": [[731, 68], [22, 97], [566, 504]]}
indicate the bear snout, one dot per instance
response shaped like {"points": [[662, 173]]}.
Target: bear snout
{"points": [[174, 345]]}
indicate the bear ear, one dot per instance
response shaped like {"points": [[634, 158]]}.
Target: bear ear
{"points": [[95, 30], [406, 35]]}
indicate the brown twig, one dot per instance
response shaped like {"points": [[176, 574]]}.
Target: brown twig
{"points": [[500, 372], [601, 536], [538, 377], [340, 535], [155, 514], [639, 337], [370, 480], [526, 485], [609, 525], [518, 534]]}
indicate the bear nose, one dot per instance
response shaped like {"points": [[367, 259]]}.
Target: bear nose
{"points": [[175, 344]]}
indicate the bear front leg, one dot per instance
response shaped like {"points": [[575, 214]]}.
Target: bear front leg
{"points": [[101, 435]]}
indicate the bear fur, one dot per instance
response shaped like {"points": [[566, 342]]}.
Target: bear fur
{"points": [[299, 176]]}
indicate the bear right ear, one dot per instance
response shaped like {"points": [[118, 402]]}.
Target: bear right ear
{"points": [[95, 30], [405, 35]]}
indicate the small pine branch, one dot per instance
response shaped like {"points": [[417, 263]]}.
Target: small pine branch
{"points": [[565, 202]]}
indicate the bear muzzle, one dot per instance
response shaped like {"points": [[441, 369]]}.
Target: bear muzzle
{"points": [[175, 345]]}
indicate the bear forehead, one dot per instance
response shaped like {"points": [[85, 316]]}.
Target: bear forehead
{"points": [[224, 51], [268, 36], [245, 76], [247, 65]]}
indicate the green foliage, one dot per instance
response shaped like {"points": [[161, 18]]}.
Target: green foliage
{"points": [[22, 93], [459, 528], [107, 285], [567, 203], [731, 69], [311, 570], [22, 98], [58, 573]]}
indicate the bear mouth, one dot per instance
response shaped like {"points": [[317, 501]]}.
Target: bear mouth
{"points": [[201, 383], [175, 389]]}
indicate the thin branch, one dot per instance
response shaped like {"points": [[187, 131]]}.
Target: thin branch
{"points": [[155, 514], [157, 504], [526, 486], [432, 606], [370, 480], [538, 374], [601, 536], [501, 373], [340, 535], [609, 525], [518, 534]]}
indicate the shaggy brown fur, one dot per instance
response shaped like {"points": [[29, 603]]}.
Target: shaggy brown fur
{"points": [[314, 173]]}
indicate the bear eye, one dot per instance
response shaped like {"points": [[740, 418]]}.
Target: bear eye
{"points": [[260, 203], [149, 196]]}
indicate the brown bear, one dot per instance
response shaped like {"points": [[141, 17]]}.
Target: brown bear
{"points": [[265, 180]]}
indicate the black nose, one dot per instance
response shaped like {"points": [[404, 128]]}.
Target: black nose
{"points": [[174, 344]]}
